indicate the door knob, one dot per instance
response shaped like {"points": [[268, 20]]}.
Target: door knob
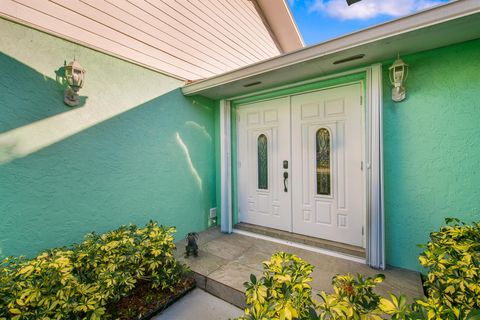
{"points": [[285, 177]]}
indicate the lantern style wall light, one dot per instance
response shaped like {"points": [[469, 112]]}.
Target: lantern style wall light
{"points": [[398, 73], [75, 76]]}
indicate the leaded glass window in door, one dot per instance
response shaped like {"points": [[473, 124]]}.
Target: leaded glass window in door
{"points": [[323, 167], [262, 156]]}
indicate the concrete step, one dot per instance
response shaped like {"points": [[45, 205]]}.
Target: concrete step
{"points": [[226, 261], [220, 290]]}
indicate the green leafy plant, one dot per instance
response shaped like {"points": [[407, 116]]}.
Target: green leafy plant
{"points": [[282, 292], [79, 281], [353, 298], [452, 258]]}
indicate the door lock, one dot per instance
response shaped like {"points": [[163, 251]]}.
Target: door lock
{"points": [[285, 164]]}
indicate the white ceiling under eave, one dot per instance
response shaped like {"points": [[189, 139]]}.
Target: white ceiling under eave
{"points": [[445, 25]]}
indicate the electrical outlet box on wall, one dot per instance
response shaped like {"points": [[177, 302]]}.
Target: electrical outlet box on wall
{"points": [[213, 213]]}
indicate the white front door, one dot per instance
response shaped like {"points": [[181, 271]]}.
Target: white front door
{"points": [[317, 139], [263, 144], [327, 164]]}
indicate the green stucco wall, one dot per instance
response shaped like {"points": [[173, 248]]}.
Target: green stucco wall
{"points": [[136, 150], [432, 148]]}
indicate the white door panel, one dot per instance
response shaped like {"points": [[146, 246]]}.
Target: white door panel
{"points": [[336, 211], [267, 205]]}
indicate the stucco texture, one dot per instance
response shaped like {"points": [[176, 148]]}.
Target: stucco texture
{"points": [[431, 148], [136, 150]]}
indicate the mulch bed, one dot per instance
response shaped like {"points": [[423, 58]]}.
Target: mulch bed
{"points": [[145, 302]]}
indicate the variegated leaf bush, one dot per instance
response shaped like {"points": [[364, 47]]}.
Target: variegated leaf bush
{"points": [[452, 259], [283, 292], [77, 282]]}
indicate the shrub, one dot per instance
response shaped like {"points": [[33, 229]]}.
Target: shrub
{"points": [[77, 282], [282, 292], [352, 298], [452, 258], [453, 286]]}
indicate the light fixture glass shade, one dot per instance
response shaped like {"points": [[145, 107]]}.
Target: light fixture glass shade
{"points": [[398, 73], [75, 76]]}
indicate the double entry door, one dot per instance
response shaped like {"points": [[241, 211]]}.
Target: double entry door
{"points": [[300, 164]]}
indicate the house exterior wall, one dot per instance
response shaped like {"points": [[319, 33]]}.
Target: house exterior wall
{"points": [[189, 39], [136, 150], [431, 148], [431, 166]]}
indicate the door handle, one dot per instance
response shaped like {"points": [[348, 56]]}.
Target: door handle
{"points": [[285, 177]]}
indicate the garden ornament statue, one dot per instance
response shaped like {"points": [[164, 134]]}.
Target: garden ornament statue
{"points": [[192, 246]]}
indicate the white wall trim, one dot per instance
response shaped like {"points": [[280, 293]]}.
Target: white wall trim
{"points": [[225, 166], [375, 215]]}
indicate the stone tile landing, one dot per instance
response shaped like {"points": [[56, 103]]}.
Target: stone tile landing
{"points": [[225, 262]]}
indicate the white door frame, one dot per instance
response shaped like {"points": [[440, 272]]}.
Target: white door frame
{"points": [[226, 220], [375, 231]]}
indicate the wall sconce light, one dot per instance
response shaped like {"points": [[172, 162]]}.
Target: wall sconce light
{"points": [[75, 76], [398, 73]]}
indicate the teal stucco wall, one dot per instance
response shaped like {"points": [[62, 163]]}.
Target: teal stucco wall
{"points": [[431, 148], [136, 150]]}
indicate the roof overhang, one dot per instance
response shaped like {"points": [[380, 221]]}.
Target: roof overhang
{"points": [[454, 22], [282, 24]]}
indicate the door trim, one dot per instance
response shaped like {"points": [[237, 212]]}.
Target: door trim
{"points": [[225, 167], [375, 231], [375, 248]]}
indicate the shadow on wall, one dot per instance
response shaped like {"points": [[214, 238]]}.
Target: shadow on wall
{"points": [[32, 98], [155, 161]]}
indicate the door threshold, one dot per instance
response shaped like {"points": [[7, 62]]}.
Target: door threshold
{"points": [[301, 246], [299, 239]]}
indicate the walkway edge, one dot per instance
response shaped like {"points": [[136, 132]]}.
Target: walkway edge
{"points": [[220, 290]]}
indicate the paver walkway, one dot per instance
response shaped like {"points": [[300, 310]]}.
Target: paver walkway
{"points": [[200, 305], [226, 261]]}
